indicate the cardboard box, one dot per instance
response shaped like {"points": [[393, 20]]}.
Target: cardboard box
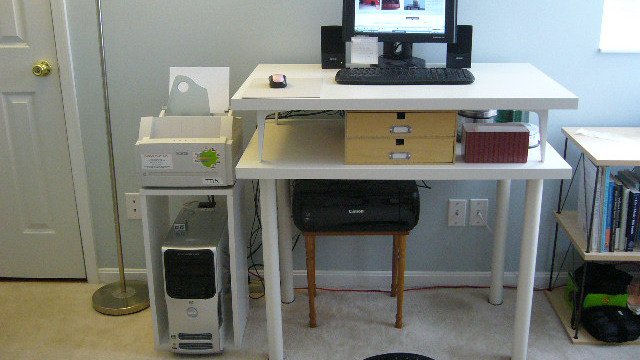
{"points": [[401, 138], [495, 143]]}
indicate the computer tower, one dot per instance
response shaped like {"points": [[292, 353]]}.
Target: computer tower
{"points": [[194, 258]]}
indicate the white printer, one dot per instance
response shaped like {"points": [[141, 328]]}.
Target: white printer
{"points": [[195, 141], [189, 151]]}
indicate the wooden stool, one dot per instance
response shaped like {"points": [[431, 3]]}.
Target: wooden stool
{"points": [[397, 268]]}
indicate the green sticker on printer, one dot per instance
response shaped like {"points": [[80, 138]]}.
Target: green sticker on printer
{"points": [[208, 158]]}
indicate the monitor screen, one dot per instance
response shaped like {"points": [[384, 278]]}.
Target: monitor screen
{"points": [[401, 20]]}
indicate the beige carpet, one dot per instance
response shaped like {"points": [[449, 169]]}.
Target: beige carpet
{"points": [[53, 320]]}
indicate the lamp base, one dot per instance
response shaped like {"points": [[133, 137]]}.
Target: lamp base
{"points": [[111, 300]]}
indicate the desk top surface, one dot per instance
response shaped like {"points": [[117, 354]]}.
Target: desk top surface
{"points": [[314, 149], [497, 86], [607, 146]]}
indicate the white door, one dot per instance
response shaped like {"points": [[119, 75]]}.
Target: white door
{"points": [[39, 231]]}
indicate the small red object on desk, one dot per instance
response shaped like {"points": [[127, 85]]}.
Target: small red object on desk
{"points": [[495, 143]]}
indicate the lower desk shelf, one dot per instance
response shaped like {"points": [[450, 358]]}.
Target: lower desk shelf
{"points": [[563, 310]]}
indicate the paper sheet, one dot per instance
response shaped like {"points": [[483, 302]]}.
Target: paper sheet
{"points": [[214, 79], [604, 135], [296, 88], [364, 50]]}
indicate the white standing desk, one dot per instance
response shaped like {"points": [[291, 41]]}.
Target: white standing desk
{"points": [[315, 150], [506, 86]]}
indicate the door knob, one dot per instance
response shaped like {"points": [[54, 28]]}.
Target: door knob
{"points": [[41, 68]]}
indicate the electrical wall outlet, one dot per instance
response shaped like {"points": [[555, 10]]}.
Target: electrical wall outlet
{"points": [[132, 202], [478, 209], [457, 212]]}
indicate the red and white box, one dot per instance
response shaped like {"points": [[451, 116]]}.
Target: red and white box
{"points": [[495, 143]]}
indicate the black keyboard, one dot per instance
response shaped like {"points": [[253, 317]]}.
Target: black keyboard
{"points": [[403, 76]]}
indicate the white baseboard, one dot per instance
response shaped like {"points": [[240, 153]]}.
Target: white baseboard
{"points": [[109, 275], [380, 280]]}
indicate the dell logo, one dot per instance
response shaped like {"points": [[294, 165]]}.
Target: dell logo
{"points": [[356, 211]]}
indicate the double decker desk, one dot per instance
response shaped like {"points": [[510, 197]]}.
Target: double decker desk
{"points": [[309, 149]]}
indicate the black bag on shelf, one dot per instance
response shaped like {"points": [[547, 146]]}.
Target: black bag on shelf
{"points": [[612, 324], [603, 279]]}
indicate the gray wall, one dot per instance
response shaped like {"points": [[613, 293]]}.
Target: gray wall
{"points": [[144, 38]]}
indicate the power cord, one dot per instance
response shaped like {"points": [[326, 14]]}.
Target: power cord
{"points": [[486, 223], [256, 228], [295, 241], [423, 184], [303, 113], [255, 242]]}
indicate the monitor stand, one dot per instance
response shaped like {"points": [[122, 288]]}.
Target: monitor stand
{"points": [[399, 54]]}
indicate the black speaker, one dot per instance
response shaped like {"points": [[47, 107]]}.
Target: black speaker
{"points": [[332, 47], [459, 53]]}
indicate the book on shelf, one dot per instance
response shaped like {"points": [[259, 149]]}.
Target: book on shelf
{"points": [[624, 210], [631, 179], [615, 204], [605, 238], [614, 245], [587, 207], [632, 219]]}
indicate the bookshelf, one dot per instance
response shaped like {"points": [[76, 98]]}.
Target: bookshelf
{"points": [[604, 147], [568, 220]]}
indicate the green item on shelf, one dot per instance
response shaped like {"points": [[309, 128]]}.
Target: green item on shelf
{"points": [[593, 300], [509, 116]]}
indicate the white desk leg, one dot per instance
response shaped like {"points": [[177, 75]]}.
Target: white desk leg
{"points": [[499, 242], [543, 116], [285, 234], [269, 217], [260, 122], [237, 262], [528, 252]]}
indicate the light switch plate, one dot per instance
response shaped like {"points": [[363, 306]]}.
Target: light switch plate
{"points": [[457, 212]]}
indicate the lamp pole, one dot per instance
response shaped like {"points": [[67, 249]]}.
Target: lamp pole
{"points": [[123, 297]]}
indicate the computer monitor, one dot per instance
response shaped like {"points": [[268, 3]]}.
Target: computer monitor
{"points": [[399, 24]]}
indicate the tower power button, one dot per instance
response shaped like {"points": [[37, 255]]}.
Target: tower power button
{"points": [[192, 312]]}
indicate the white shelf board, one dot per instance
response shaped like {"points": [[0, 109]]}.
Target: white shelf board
{"points": [[569, 222], [227, 190], [615, 146], [497, 86], [314, 149]]}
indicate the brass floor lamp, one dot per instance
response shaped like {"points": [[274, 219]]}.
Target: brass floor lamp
{"points": [[123, 297]]}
